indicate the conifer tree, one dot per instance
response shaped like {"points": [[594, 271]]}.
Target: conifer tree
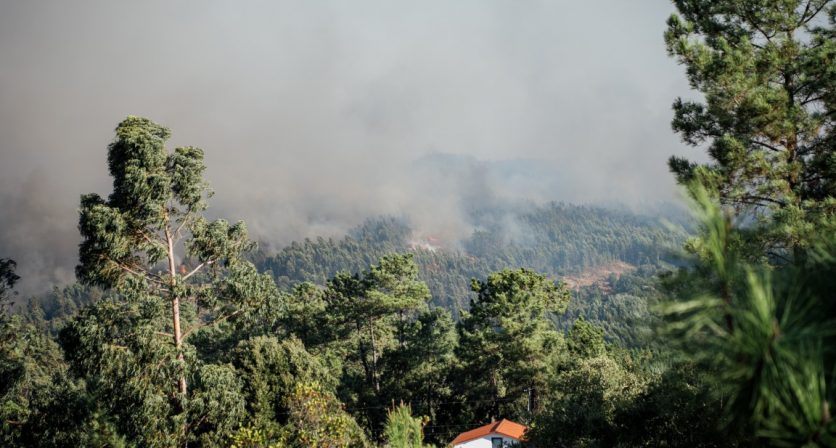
{"points": [[586, 340], [373, 311], [402, 429], [767, 71], [764, 334], [507, 342], [374, 307]]}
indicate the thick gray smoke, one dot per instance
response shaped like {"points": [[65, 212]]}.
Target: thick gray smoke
{"points": [[317, 115]]}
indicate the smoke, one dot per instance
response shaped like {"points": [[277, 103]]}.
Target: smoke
{"points": [[37, 234], [317, 115]]}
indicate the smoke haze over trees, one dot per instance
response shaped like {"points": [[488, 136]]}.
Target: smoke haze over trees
{"points": [[292, 100]]}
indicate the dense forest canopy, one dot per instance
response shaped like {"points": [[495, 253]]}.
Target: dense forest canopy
{"points": [[556, 239], [586, 324]]}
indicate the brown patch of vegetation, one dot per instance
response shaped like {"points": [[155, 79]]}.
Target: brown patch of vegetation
{"points": [[598, 275]]}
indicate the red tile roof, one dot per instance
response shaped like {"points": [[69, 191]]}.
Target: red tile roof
{"points": [[504, 427]]}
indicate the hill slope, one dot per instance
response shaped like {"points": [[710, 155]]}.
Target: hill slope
{"points": [[556, 239]]}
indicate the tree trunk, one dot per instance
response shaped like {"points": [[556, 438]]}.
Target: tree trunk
{"points": [[364, 355], [178, 342], [374, 357], [175, 311]]}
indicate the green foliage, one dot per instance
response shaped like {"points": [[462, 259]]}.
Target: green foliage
{"points": [[765, 70], [271, 369], [133, 349], [590, 394], [754, 314], [306, 316], [402, 430], [585, 340], [247, 437], [419, 372], [765, 333], [217, 407], [373, 313], [115, 347], [562, 239], [321, 259], [40, 404], [508, 343], [678, 408], [597, 395], [50, 312], [623, 306], [555, 238], [317, 420]]}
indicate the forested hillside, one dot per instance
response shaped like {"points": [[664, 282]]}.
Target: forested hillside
{"points": [[619, 303], [556, 239]]}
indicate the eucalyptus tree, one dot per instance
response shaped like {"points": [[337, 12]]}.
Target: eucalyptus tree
{"points": [[174, 272]]}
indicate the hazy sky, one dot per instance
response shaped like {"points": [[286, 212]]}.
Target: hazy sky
{"points": [[313, 113]]}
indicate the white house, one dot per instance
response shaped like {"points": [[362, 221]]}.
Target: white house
{"points": [[499, 434]]}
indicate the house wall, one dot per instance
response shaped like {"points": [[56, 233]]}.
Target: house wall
{"points": [[485, 442]]}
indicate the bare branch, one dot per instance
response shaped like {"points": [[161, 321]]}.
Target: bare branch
{"points": [[805, 19], [757, 27], [765, 145], [154, 241], [812, 99], [759, 200], [777, 255], [194, 271], [150, 276], [182, 223], [804, 14]]}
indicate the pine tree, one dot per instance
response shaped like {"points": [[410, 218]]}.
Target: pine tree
{"points": [[767, 71], [8, 278], [755, 310], [765, 334], [402, 429], [507, 342], [374, 307], [586, 340], [373, 311]]}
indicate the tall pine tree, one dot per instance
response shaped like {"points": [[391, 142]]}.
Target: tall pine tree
{"points": [[767, 73]]}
